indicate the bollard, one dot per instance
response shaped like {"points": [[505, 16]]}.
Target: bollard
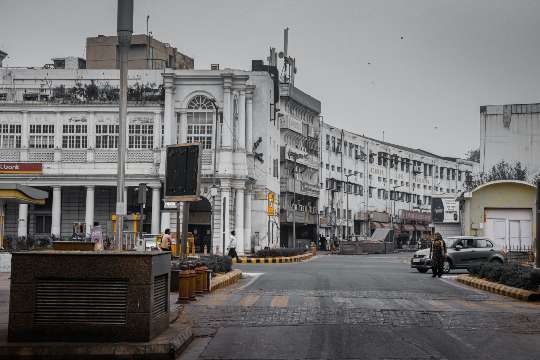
{"points": [[184, 285], [192, 281], [200, 278], [209, 278], [204, 275], [313, 249]]}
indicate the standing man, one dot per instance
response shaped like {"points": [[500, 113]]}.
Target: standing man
{"points": [[166, 241], [438, 254], [232, 247]]}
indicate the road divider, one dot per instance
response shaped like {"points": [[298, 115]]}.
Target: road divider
{"points": [[505, 290], [223, 280], [274, 260]]}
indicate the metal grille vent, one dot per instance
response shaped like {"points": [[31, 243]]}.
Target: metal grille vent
{"points": [[161, 294], [63, 301]]}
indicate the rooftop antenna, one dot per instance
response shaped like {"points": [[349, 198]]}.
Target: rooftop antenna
{"points": [[284, 55]]}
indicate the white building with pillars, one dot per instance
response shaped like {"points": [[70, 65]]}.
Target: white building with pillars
{"points": [[383, 182], [63, 124]]}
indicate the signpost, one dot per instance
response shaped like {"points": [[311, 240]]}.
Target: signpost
{"points": [[182, 186], [270, 211]]}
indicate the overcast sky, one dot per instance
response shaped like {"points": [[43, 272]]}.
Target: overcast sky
{"points": [[417, 70]]}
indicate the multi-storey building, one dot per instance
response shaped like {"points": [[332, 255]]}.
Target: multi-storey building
{"points": [[384, 183], [65, 123], [299, 115], [145, 52], [510, 133]]}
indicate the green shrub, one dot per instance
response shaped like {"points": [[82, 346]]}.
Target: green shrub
{"points": [[216, 263], [279, 252], [511, 275]]}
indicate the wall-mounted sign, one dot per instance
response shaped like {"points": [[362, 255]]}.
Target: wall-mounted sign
{"points": [[445, 210], [21, 168]]}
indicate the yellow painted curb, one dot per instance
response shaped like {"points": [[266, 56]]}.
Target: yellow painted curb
{"points": [[274, 260], [221, 281], [501, 289]]}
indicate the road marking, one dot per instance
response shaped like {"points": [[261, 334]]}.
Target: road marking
{"points": [[440, 305], [471, 305], [280, 301], [253, 276], [249, 300], [218, 299]]}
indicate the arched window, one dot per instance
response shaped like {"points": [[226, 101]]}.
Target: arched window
{"points": [[200, 121]]}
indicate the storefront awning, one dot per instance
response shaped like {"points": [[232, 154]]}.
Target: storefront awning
{"points": [[22, 194]]}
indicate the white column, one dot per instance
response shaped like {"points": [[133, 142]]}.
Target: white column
{"points": [[225, 227], [157, 130], [247, 222], [156, 202], [56, 211], [165, 221], [125, 200], [58, 138], [227, 117], [22, 229], [249, 121], [242, 120], [239, 221], [182, 127], [169, 120], [89, 214], [25, 130]]}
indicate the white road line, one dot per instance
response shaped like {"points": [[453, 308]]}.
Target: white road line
{"points": [[253, 276]]}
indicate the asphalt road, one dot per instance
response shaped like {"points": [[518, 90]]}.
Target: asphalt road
{"points": [[359, 307]]}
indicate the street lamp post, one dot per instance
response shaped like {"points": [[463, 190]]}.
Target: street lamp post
{"points": [[124, 31], [213, 190], [394, 212], [347, 232]]}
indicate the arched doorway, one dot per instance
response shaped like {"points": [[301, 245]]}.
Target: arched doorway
{"points": [[200, 224]]}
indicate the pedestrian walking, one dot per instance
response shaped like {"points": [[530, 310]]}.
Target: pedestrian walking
{"points": [[232, 247], [96, 236], [437, 254], [166, 240]]}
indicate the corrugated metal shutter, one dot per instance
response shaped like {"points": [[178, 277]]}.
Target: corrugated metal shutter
{"points": [[161, 296], [64, 301]]}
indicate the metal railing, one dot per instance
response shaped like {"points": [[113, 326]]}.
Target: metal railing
{"points": [[520, 255]]}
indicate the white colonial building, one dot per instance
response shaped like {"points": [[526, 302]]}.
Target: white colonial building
{"points": [[63, 126], [385, 183]]}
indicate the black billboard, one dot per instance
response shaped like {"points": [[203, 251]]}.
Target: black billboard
{"points": [[182, 172]]}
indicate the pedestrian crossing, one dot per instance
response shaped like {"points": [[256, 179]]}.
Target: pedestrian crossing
{"points": [[247, 299]]}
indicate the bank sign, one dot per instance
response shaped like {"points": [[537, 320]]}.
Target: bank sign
{"points": [[20, 168], [444, 210]]}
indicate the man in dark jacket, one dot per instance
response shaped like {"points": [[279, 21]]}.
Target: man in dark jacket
{"points": [[438, 254]]}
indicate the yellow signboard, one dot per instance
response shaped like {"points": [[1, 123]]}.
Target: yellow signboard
{"points": [[270, 210], [271, 197]]}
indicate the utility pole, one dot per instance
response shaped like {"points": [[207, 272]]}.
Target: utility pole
{"points": [[393, 212], [124, 31], [295, 157], [347, 233]]}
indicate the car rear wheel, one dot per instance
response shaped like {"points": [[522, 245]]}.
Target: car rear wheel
{"points": [[496, 261], [422, 270], [447, 266]]}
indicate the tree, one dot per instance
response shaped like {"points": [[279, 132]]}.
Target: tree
{"points": [[473, 155], [499, 171]]}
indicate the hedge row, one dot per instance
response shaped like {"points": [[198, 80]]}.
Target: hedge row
{"points": [[511, 275], [216, 263], [279, 252]]}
